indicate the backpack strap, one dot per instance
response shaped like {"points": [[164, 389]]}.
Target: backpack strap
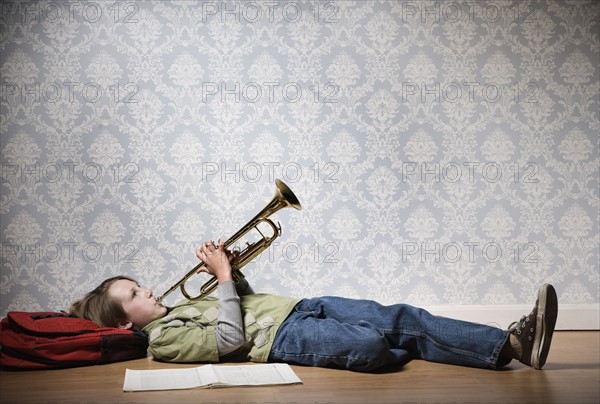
{"points": [[37, 316]]}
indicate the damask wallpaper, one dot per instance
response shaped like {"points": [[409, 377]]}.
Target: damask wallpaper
{"points": [[445, 152]]}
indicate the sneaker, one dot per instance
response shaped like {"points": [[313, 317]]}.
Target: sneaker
{"points": [[534, 331]]}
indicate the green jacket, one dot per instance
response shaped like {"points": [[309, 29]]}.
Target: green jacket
{"points": [[188, 332]]}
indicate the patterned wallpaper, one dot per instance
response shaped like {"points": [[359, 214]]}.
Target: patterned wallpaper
{"points": [[445, 153]]}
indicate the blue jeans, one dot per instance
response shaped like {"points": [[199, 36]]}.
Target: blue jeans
{"points": [[365, 336]]}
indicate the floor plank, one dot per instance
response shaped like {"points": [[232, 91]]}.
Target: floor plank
{"points": [[571, 375]]}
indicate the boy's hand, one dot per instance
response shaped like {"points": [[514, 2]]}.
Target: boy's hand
{"points": [[217, 260], [232, 255]]}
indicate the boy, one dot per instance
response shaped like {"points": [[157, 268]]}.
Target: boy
{"points": [[358, 335]]}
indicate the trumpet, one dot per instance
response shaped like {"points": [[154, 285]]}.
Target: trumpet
{"points": [[283, 198]]}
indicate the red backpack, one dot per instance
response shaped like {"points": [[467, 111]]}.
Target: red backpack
{"points": [[47, 340]]}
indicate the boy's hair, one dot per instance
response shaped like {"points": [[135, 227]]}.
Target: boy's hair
{"points": [[99, 307]]}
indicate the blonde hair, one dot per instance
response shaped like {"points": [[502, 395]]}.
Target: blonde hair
{"points": [[99, 307]]}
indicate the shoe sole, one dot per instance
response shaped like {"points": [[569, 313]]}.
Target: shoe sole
{"points": [[547, 311]]}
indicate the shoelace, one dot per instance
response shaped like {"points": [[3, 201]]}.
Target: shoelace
{"points": [[518, 325], [515, 324]]}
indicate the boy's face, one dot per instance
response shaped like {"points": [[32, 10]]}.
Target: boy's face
{"points": [[139, 304]]}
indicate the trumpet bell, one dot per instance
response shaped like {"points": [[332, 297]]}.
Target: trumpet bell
{"points": [[286, 193]]}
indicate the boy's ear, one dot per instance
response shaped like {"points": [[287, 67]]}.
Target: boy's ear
{"points": [[126, 325]]}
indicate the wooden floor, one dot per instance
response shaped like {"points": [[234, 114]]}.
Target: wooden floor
{"points": [[571, 375]]}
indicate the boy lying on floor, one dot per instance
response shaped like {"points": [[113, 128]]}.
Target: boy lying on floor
{"points": [[359, 335]]}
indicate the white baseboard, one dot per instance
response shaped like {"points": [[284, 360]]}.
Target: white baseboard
{"points": [[570, 316]]}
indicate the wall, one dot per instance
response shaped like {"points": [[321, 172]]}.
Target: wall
{"points": [[445, 153]]}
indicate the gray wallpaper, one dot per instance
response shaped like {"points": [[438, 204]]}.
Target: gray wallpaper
{"points": [[445, 153]]}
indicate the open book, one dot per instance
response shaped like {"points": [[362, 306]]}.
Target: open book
{"points": [[208, 376]]}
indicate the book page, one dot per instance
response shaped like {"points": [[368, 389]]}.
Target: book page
{"points": [[161, 379], [255, 375]]}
